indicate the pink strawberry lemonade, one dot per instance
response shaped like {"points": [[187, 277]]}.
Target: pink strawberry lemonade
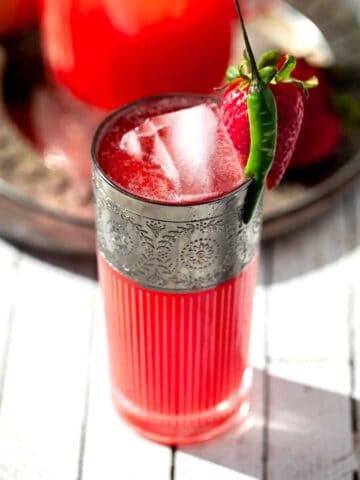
{"points": [[179, 361]]}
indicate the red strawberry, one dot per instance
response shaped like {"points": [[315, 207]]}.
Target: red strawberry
{"points": [[263, 110], [322, 127], [290, 107]]}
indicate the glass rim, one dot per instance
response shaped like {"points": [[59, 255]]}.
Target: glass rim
{"points": [[137, 198]]}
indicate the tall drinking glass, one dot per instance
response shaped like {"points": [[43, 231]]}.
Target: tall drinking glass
{"points": [[178, 279]]}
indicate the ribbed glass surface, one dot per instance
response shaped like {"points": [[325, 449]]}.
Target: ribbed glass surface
{"points": [[178, 360]]}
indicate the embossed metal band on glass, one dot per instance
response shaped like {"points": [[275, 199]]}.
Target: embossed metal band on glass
{"points": [[178, 283], [174, 248]]}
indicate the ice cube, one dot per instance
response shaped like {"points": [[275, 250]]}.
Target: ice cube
{"points": [[188, 151], [191, 139], [227, 170], [146, 142]]}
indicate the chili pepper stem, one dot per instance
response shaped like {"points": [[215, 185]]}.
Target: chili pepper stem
{"points": [[256, 79]]}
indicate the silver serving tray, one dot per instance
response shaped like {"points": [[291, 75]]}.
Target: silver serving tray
{"points": [[43, 208]]}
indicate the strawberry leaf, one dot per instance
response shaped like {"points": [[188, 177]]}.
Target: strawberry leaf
{"points": [[286, 69], [304, 85], [245, 69], [269, 59], [311, 82], [267, 74], [244, 84], [232, 73]]}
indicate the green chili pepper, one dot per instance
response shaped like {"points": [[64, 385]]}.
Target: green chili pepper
{"points": [[263, 130], [263, 133]]}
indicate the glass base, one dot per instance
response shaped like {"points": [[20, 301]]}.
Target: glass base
{"points": [[184, 429]]}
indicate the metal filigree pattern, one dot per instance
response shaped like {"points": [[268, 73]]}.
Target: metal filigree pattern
{"points": [[174, 248]]}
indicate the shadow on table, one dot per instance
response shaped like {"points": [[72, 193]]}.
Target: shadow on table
{"points": [[301, 433]]}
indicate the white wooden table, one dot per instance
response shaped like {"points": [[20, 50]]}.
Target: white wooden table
{"points": [[56, 417]]}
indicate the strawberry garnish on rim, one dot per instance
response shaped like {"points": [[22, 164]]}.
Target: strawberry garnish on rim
{"points": [[263, 110], [275, 71]]}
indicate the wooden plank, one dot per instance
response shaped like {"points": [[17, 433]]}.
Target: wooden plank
{"points": [[193, 468], [112, 450], [9, 261], [238, 453], [45, 385], [309, 431], [308, 316], [354, 319], [352, 214], [309, 295]]}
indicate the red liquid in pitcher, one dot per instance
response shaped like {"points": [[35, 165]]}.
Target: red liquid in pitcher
{"points": [[110, 52], [179, 361]]}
